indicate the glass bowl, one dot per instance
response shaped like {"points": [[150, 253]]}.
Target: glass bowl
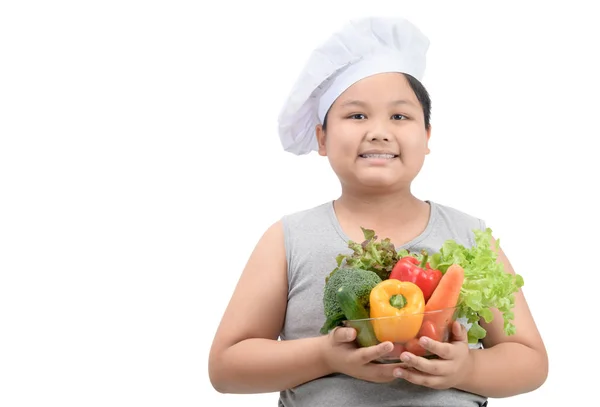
{"points": [[404, 332]]}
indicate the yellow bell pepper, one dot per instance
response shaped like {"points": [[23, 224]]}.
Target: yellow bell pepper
{"points": [[399, 307]]}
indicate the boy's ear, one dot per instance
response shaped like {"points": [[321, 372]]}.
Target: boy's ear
{"points": [[320, 134], [427, 150]]}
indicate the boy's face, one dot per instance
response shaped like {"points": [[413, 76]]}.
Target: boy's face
{"points": [[376, 134]]}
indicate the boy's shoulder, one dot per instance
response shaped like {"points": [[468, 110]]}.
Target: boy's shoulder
{"points": [[309, 217], [455, 219], [454, 212]]}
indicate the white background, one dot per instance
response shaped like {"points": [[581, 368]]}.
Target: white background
{"points": [[139, 164]]}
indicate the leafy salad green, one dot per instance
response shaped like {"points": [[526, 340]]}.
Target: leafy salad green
{"points": [[486, 284]]}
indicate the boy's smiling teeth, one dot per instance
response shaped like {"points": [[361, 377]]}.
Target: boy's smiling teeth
{"points": [[378, 155]]}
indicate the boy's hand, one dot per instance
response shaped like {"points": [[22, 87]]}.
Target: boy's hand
{"points": [[443, 373], [342, 355]]}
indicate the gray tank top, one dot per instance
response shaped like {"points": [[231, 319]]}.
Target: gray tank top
{"points": [[313, 239]]}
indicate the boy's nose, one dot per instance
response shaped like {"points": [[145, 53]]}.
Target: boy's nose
{"points": [[378, 135]]}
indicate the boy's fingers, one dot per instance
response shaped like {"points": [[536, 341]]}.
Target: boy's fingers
{"points": [[342, 335], [443, 350], [459, 332], [432, 367], [380, 373], [371, 353]]}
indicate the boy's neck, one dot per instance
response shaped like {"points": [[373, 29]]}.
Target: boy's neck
{"points": [[400, 206]]}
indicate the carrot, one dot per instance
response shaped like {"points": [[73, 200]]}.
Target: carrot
{"points": [[444, 299], [447, 292]]}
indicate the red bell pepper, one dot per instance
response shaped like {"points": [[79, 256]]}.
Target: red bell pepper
{"points": [[409, 269]]}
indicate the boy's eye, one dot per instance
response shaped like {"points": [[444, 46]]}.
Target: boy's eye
{"points": [[399, 117], [357, 116]]}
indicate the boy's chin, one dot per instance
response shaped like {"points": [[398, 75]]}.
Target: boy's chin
{"points": [[384, 184]]}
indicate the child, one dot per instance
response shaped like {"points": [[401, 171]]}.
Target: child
{"points": [[360, 103]]}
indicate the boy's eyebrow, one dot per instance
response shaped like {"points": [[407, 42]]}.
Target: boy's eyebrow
{"points": [[360, 103]]}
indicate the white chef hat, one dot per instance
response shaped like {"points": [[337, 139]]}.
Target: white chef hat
{"points": [[362, 48]]}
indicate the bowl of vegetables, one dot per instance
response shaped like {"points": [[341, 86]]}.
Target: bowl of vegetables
{"points": [[400, 312], [400, 296]]}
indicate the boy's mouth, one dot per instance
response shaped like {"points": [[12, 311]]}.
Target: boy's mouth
{"points": [[380, 156]]}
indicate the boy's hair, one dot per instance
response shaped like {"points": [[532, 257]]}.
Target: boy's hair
{"points": [[422, 96]]}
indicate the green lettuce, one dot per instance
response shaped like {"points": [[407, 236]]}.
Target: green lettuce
{"points": [[378, 256], [486, 285]]}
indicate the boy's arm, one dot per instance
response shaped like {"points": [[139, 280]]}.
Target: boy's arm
{"points": [[246, 356], [509, 365]]}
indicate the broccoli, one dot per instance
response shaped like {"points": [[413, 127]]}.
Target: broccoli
{"points": [[358, 281]]}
